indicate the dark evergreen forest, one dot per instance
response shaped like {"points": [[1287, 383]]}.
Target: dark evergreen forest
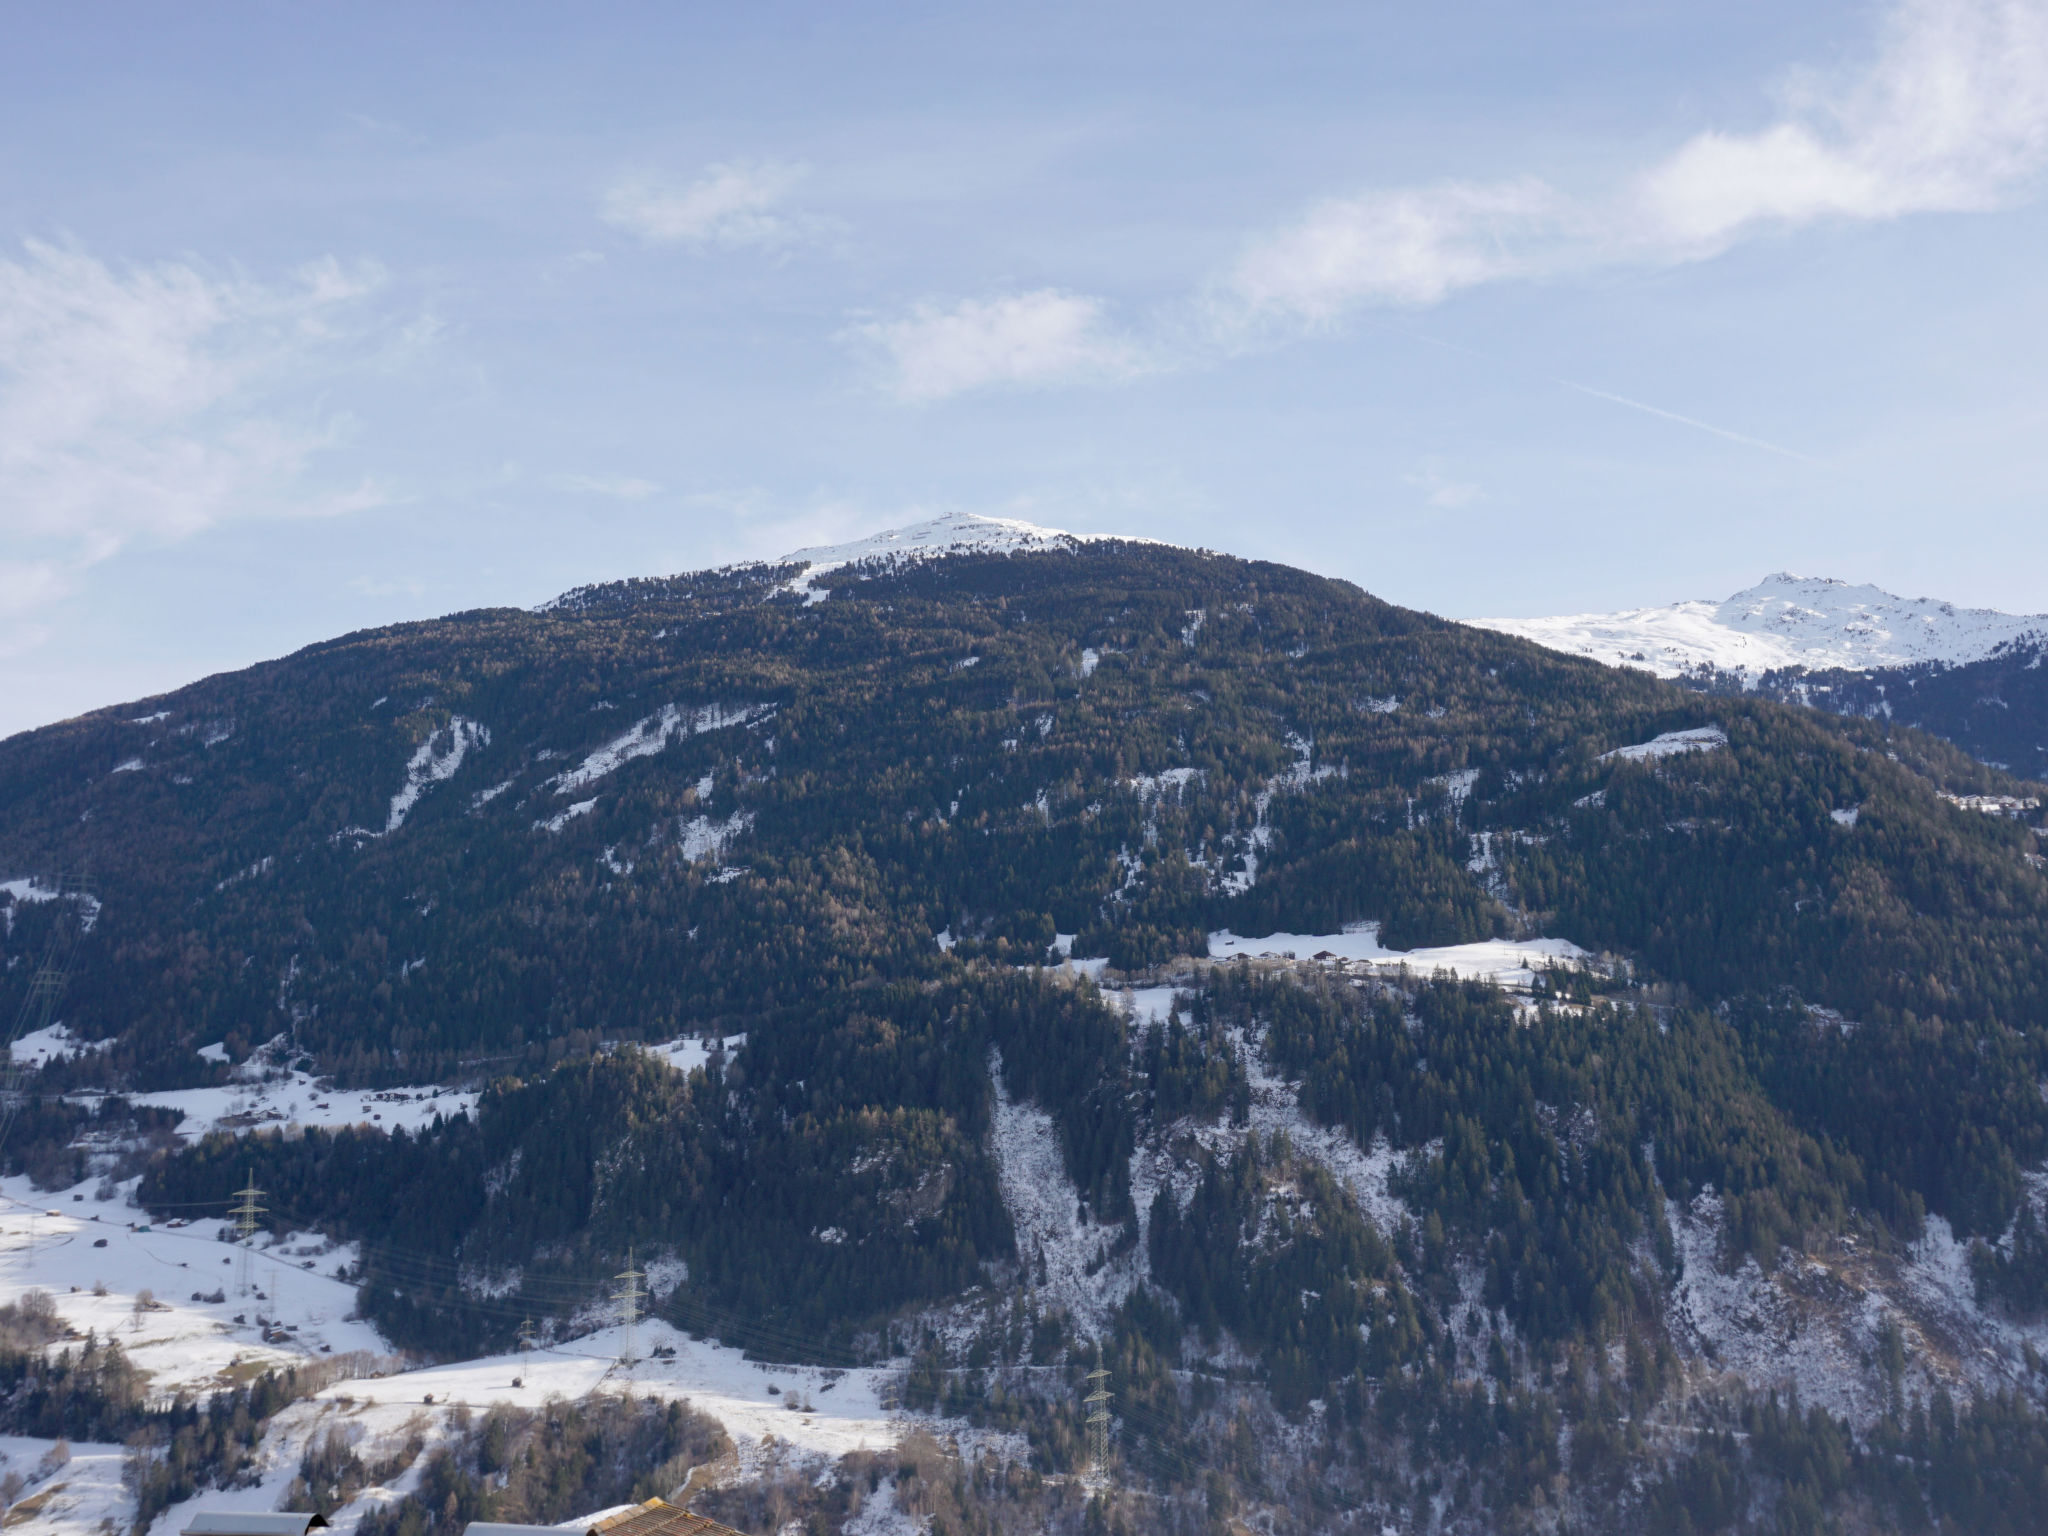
{"points": [[1996, 708]]}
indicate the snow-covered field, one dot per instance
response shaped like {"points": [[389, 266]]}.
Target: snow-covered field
{"points": [[1703, 738], [688, 1054], [1511, 963], [113, 1272], [52, 1241], [71, 1488], [52, 1043], [1783, 621], [771, 1412], [297, 1099]]}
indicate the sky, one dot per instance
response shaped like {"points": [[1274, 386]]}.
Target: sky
{"points": [[317, 318]]}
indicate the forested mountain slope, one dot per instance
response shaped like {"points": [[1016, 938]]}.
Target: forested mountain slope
{"points": [[1972, 676], [1995, 708], [859, 819]]}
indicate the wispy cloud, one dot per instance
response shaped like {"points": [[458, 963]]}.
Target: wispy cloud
{"points": [[1409, 247], [1950, 114], [728, 205], [143, 403], [1021, 339]]}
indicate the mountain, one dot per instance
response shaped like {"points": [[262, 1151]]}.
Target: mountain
{"points": [[1782, 622], [1449, 1083], [1970, 675]]}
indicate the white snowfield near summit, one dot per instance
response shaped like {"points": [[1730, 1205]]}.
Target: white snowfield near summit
{"points": [[955, 533], [1783, 621]]}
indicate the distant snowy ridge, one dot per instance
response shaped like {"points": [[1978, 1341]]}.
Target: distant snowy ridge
{"points": [[955, 533], [1783, 621]]}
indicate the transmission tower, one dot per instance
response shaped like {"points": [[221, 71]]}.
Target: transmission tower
{"points": [[629, 1296], [247, 1208], [526, 1336], [1098, 1424]]}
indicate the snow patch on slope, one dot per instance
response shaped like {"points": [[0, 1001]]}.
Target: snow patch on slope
{"points": [[688, 1054], [1299, 775], [1742, 1321], [53, 1043], [436, 761], [27, 890], [649, 736], [1782, 621], [1169, 781], [881, 1515], [702, 838], [1704, 738], [1365, 1176], [1045, 1209], [1814, 1322], [561, 819]]}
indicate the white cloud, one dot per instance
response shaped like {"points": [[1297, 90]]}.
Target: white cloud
{"points": [[732, 204], [1408, 247], [1036, 338], [139, 403], [1950, 114]]}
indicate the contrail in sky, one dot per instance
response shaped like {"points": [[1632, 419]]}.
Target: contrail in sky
{"points": [[1688, 421], [1597, 394]]}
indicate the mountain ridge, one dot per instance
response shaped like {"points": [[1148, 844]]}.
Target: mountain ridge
{"points": [[1785, 621], [843, 956]]}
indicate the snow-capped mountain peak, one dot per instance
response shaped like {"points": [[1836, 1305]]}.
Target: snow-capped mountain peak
{"points": [[953, 533], [1783, 621]]}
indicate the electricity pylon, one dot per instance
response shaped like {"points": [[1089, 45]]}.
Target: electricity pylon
{"points": [[249, 1206], [1098, 1424], [629, 1296]]}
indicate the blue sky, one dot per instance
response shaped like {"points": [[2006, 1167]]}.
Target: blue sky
{"points": [[315, 319]]}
